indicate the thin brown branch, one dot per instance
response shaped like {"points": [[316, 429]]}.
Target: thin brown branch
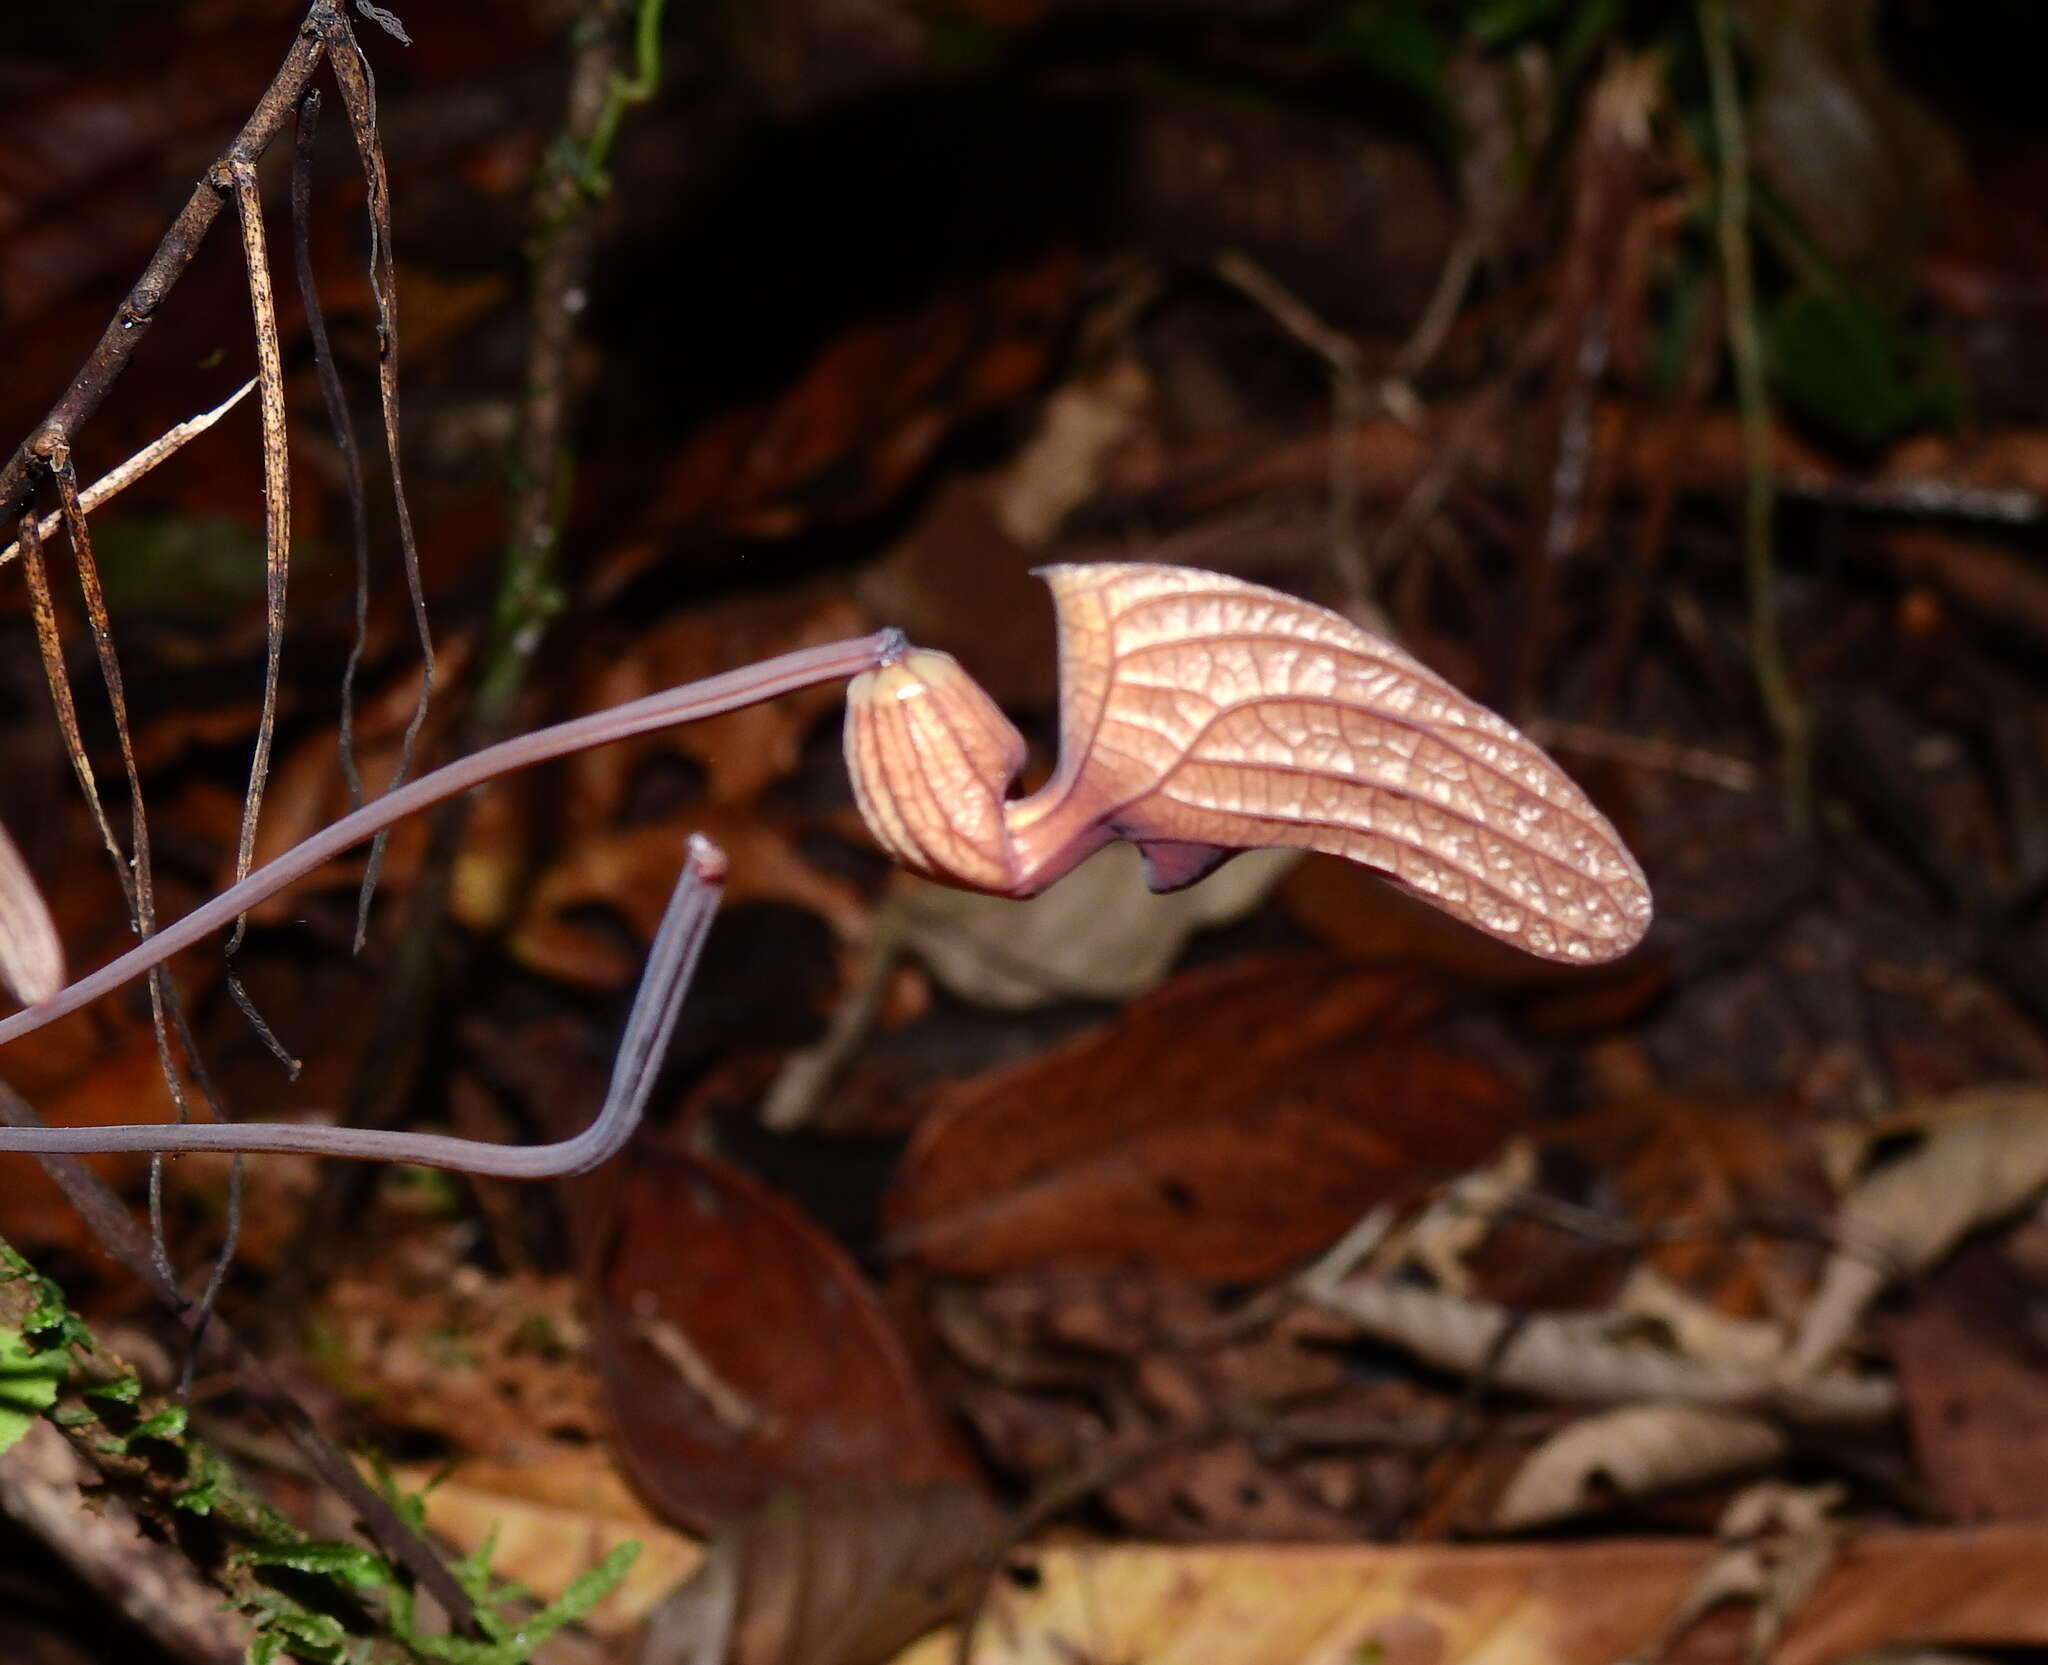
{"points": [[359, 99], [26, 469], [136, 874], [50, 641], [336, 400], [277, 535], [137, 879], [277, 497]]}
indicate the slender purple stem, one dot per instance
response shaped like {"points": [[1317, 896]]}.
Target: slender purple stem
{"points": [[671, 960], [671, 963]]}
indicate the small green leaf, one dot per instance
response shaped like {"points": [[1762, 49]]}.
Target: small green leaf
{"points": [[29, 1380], [50, 1322], [286, 1625], [504, 1641], [166, 1424], [584, 1593], [122, 1390], [207, 1479], [325, 1559]]}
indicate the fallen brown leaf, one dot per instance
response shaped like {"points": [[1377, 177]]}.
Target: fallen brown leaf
{"points": [[1228, 1126], [742, 1353], [841, 1577], [1969, 1365]]}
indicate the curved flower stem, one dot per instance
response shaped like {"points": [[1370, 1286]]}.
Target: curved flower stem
{"points": [[751, 684], [671, 963]]}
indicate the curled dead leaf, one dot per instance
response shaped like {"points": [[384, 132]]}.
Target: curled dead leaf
{"points": [[1631, 1452], [1982, 1155], [1595, 1357]]}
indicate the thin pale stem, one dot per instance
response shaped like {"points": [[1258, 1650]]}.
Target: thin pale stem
{"points": [[751, 684], [123, 475]]}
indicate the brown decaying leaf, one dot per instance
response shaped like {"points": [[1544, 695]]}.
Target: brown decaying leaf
{"points": [[1201, 715], [1228, 1126], [846, 437], [839, 1577], [1695, 1174], [742, 1353], [31, 957], [1968, 1358], [1632, 1452], [741, 753]]}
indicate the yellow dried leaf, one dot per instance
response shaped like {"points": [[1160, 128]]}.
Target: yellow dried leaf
{"points": [[1515, 1604]]}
